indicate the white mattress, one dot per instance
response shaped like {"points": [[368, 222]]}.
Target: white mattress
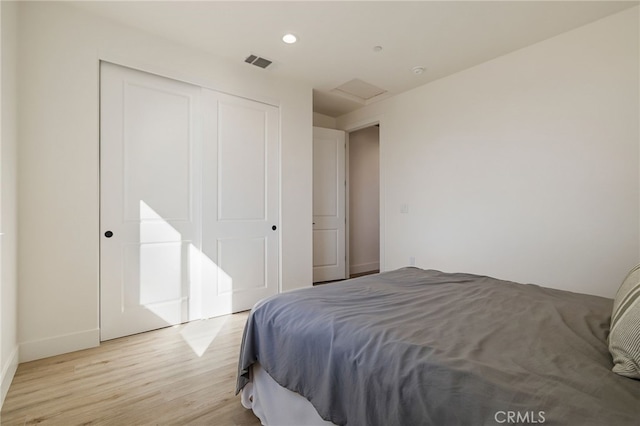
{"points": [[275, 405]]}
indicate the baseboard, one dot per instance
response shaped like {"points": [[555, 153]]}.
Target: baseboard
{"points": [[8, 371], [58, 345], [364, 267]]}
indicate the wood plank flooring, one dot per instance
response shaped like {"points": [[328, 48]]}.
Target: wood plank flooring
{"points": [[175, 376]]}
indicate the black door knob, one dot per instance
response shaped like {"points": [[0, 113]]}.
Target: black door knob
{"points": [[274, 227], [108, 234]]}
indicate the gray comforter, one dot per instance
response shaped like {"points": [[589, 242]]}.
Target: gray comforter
{"points": [[415, 347]]}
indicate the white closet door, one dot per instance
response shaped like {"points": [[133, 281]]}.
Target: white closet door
{"points": [[241, 206], [189, 202], [150, 199], [329, 211]]}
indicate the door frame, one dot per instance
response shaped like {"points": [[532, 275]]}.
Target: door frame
{"points": [[349, 128]]}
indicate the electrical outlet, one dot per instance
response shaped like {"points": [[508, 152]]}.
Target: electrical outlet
{"points": [[412, 261]]}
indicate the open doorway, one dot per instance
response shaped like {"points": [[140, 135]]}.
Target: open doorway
{"points": [[364, 201]]}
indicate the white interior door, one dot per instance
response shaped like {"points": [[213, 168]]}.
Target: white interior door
{"points": [[150, 206], [329, 213], [241, 228], [189, 202]]}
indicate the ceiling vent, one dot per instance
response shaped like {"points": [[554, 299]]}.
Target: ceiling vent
{"points": [[258, 61]]}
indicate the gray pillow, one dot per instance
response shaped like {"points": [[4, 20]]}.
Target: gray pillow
{"points": [[624, 337]]}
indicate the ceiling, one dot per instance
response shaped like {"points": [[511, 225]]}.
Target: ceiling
{"points": [[336, 39]]}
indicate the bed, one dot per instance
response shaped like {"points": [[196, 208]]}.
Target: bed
{"points": [[423, 347]]}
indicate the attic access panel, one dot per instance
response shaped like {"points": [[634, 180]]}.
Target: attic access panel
{"points": [[360, 89]]}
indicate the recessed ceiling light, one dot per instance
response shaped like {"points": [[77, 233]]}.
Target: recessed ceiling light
{"points": [[289, 38]]}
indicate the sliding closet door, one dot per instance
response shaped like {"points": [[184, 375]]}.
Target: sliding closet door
{"points": [[241, 202], [151, 159], [189, 202]]}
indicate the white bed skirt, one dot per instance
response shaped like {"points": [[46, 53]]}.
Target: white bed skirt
{"points": [[275, 405]]}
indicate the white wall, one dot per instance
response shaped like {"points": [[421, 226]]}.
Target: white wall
{"points": [[364, 200], [59, 50], [321, 120], [8, 199], [525, 167]]}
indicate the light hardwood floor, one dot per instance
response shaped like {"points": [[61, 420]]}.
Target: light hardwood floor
{"points": [[175, 376]]}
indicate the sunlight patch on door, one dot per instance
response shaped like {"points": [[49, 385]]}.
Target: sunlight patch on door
{"points": [[161, 271], [179, 283], [213, 285]]}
